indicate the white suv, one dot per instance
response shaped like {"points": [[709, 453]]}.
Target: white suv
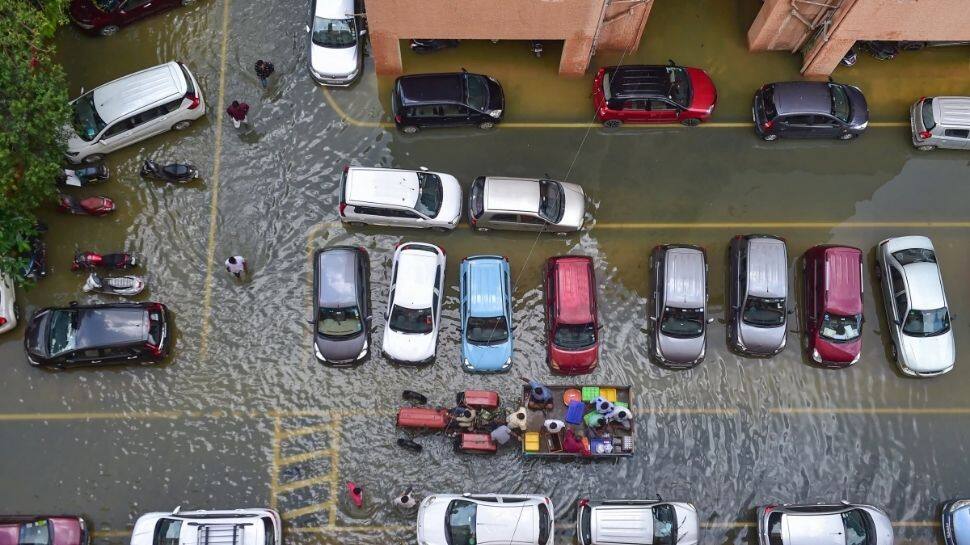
{"points": [[484, 519], [414, 304], [399, 198], [133, 108], [916, 306], [636, 522], [8, 300], [224, 527]]}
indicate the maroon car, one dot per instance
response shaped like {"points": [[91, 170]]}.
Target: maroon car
{"points": [[572, 326], [43, 530], [833, 304], [105, 17]]}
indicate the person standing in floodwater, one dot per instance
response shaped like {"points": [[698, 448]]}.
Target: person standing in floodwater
{"points": [[264, 70]]}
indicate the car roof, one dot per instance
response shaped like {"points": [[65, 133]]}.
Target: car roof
{"points": [[485, 287], [684, 278], [767, 267], [952, 111], [574, 289], [513, 194], [639, 81], [386, 186], [623, 524], [431, 88], [813, 529], [107, 326], [843, 276], [334, 9], [925, 286], [415, 278], [338, 277], [128, 94], [795, 97]]}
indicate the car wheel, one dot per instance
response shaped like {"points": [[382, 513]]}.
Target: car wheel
{"points": [[770, 137], [355, 224], [482, 229], [94, 158], [612, 123], [486, 125], [926, 148], [441, 229], [846, 136], [109, 30], [691, 122], [181, 125], [409, 129]]}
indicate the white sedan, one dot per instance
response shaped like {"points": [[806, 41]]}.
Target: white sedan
{"points": [[482, 519], [414, 305], [8, 300], [916, 306]]}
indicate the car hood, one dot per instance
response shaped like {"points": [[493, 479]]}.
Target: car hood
{"points": [[762, 340], [430, 524], [450, 199], [677, 350], [688, 526], [703, 92], [506, 524], [574, 361], [35, 338], [341, 350], [67, 531], [486, 358], [574, 212], [860, 108], [838, 352], [334, 61], [409, 347], [928, 354], [74, 142], [884, 527]]}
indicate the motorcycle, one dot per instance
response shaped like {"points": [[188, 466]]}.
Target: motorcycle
{"points": [[175, 172], [430, 46], [882, 51], [850, 58], [536, 47], [82, 176], [93, 260], [125, 286], [36, 267], [90, 206]]}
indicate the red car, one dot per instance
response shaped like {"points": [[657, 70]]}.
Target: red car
{"points": [[653, 94], [833, 304], [105, 17], [572, 327], [43, 530]]}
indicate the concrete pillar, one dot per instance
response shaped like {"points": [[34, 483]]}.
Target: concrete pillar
{"points": [[576, 52], [775, 28], [386, 50], [825, 58]]}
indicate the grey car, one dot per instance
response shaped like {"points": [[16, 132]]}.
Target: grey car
{"points": [[636, 522], [758, 295], [956, 522], [678, 311], [341, 305], [843, 523], [526, 204], [809, 109]]}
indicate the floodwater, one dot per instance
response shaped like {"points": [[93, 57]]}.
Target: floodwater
{"points": [[242, 415]]}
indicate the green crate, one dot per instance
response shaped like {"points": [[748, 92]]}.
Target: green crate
{"points": [[622, 404], [590, 393]]}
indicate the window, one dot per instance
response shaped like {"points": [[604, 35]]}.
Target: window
{"points": [[460, 523], [897, 279], [145, 117], [545, 524], [659, 105], [385, 212], [664, 525], [453, 110], [798, 119], [957, 133], [477, 196], [856, 527], [171, 106], [335, 33], [35, 533], [132, 4], [761, 312], [636, 105], [679, 86], [927, 323], [823, 121], [901, 304], [410, 320], [840, 328], [420, 111], [840, 102], [476, 92], [339, 322], [269, 531], [571, 336], [63, 328], [87, 122], [506, 218], [107, 5], [682, 323], [487, 331], [167, 532], [117, 128], [914, 255], [768, 102], [552, 200], [430, 197], [774, 529], [926, 109], [585, 525]]}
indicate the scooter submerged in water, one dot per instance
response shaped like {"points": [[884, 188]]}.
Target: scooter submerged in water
{"points": [[430, 46], [125, 286], [82, 176], [175, 172], [93, 260], [91, 206]]}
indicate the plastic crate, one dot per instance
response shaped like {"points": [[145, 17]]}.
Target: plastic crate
{"points": [[609, 394], [590, 393], [531, 442]]}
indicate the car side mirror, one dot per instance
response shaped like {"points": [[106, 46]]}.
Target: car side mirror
{"points": [[369, 318], [515, 327], [73, 303], [423, 169], [310, 321], [653, 318], [791, 311], [363, 32], [710, 320], [307, 28]]}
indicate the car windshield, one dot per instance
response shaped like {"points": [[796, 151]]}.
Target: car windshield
{"points": [[840, 103], [664, 525], [927, 323], [679, 85], [487, 330], [339, 33], [762, 312], [927, 114], [477, 92], [63, 329], [429, 201], [575, 336], [35, 533], [106, 5], [552, 203], [768, 103], [915, 255], [856, 527], [460, 523], [167, 532], [339, 322], [682, 322], [87, 123], [410, 320], [841, 328]]}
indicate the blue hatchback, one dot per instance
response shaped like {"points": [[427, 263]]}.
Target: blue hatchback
{"points": [[486, 314]]}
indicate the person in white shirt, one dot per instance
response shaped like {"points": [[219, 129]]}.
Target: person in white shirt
{"points": [[406, 501], [236, 265]]}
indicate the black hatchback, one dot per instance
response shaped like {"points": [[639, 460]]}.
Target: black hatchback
{"points": [[108, 334], [809, 109], [446, 100]]}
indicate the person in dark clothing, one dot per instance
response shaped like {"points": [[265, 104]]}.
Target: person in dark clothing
{"points": [[264, 70], [237, 111]]}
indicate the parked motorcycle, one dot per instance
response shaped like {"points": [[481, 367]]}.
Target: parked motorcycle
{"points": [[82, 176], [175, 172], [93, 260], [536, 47], [850, 58], [882, 51], [36, 267], [125, 286], [90, 206], [430, 46]]}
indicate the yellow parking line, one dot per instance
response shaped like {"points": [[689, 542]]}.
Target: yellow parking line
{"points": [[306, 510], [309, 430], [728, 524], [306, 457], [107, 534], [305, 483], [686, 410], [362, 529], [783, 225], [916, 523], [214, 185], [335, 465], [347, 117], [274, 471], [871, 410]]}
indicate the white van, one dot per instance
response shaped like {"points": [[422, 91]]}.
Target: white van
{"points": [[131, 109], [940, 122]]}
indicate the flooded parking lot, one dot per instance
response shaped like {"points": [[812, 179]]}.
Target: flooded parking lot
{"points": [[243, 415]]}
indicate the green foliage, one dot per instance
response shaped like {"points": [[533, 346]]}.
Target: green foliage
{"points": [[33, 107]]}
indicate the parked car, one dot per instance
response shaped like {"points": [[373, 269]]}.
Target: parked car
{"points": [[832, 277], [446, 100], [414, 303], [636, 522], [809, 109], [486, 314], [399, 198], [341, 307], [940, 122], [526, 204], [916, 307], [956, 522], [678, 314], [106, 17], [758, 296], [103, 334], [131, 109], [486, 519], [572, 324], [653, 94], [336, 43], [849, 523], [43, 530], [8, 304], [254, 526]]}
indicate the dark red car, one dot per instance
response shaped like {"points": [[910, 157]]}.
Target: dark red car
{"points": [[653, 94], [572, 327], [833, 304], [105, 17], [43, 530]]}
